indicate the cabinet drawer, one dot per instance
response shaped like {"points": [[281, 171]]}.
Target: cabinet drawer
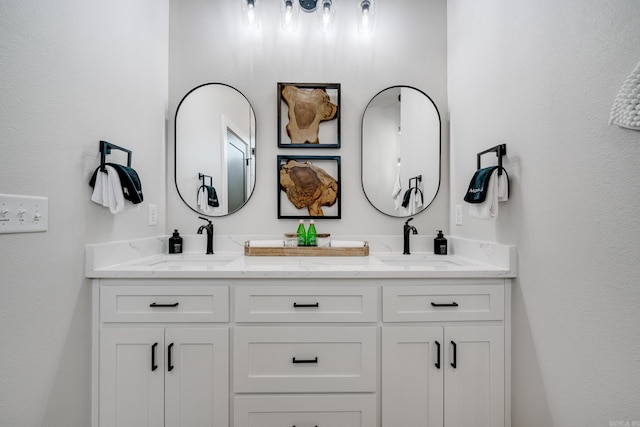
{"points": [[306, 304], [442, 303], [304, 359], [303, 411], [164, 303]]}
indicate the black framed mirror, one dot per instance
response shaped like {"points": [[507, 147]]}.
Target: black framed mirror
{"points": [[215, 149], [401, 151]]}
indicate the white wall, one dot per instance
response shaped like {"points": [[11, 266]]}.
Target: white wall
{"points": [[209, 44], [541, 76], [72, 72]]}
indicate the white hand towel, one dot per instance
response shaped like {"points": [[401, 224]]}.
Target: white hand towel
{"points": [[396, 194], [203, 204], [503, 187], [489, 208], [107, 190], [347, 244], [266, 243]]}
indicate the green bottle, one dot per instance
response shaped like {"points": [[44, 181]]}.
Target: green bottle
{"points": [[302, 235], [312, 236]]}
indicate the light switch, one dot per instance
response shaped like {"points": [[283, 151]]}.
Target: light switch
{"points": [[23, 214]]}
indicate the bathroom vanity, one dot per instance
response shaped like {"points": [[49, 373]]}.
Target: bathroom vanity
{"points": [[229, 340]]}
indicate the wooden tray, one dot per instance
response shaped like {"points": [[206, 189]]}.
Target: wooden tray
{"points": [[306, 251]]}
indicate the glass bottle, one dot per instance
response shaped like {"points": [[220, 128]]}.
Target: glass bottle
{"points": [[302, 234], [312, 236]]}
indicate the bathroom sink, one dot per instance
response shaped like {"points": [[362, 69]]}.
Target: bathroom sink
{"points": [[417, 260]]}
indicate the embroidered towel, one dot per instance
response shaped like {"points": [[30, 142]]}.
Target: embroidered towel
{"points": [[486, 189]]}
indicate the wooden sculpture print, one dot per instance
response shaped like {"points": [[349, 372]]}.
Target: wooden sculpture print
{"points": [[309, 115], [312, 187]]}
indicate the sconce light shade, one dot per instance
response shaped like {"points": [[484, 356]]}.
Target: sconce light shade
{"points": [[289, 12], [366, 15], [250, 13], [326, 14]]}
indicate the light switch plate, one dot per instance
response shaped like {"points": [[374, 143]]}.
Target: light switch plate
{"points": [[458, 214], [23, 214]]}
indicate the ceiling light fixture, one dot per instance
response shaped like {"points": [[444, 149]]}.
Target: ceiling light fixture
{"points": [[251, 13], [367, 11], [289, 11]]}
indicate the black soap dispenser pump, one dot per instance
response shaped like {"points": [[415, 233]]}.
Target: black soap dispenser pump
{"points": [[175, 243], [440, 244]]}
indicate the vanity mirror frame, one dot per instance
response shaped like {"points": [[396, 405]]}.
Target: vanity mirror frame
{"points": [[250, 160], [432, 180]]}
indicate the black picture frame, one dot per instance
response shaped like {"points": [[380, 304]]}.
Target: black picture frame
{"points": [[330, 165], [328, 130]]}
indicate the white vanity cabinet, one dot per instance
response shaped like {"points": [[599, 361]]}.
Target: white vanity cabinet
{"points": [[305, 355], [443, 355], [161, 353], [301, 351]]}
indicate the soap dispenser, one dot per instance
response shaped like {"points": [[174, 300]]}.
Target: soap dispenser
{"points": [[175, 243], [440, 244]]}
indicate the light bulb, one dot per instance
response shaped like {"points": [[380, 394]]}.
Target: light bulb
{"points": [[289, 12], [326, 15], [366, 8], [250, 16]]}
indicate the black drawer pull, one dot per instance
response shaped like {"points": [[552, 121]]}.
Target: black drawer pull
{"points": [[153, 357], [169, 353], [296, 305], [455, 355], [305, 360], [438, 351], [452, 304], [155, 304]]}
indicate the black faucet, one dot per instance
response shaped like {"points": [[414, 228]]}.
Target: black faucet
{"points": [[407, 229], [209, 228]]}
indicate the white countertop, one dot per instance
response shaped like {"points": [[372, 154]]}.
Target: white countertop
{"points": [[147, 258]]}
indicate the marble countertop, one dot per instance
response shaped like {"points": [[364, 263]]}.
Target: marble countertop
{"points": [[147, 258]]}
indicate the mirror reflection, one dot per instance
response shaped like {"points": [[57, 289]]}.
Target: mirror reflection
{"points": [[215, 148], [401, 151]]}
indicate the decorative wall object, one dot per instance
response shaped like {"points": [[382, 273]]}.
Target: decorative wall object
{"points": [[308, 115], [626, 107], [309, 187]]}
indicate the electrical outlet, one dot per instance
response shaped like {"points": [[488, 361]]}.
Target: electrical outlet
{"points": [[153, 214], [458, 214]]}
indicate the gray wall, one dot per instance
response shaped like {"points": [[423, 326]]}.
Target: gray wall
{"points": [[72, 72], [541, 76], [209, 44]]}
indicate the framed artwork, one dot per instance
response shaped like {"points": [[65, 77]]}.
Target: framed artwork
{"points": [[309, 187], [308, 115]]}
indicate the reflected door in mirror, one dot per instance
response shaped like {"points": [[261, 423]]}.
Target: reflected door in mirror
{"points": [[215, 130]]}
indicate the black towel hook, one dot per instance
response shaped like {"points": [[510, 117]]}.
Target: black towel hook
{"points": [[105, 148], [500, 151], [203, 177]]}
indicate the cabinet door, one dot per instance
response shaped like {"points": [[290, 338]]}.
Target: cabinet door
{"points": [[412, 376], [474, 376], [131, 377], [197, 379]]}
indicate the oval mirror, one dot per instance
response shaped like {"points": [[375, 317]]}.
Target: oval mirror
{"points": [[215, 148], [401, 151]]}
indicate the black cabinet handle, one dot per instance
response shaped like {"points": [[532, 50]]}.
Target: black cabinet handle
{"points": [[169, 352], [305, 360], [155, 304], [153, 357], [452, 304], [296, 305], [455, 355], [438, 351]]}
